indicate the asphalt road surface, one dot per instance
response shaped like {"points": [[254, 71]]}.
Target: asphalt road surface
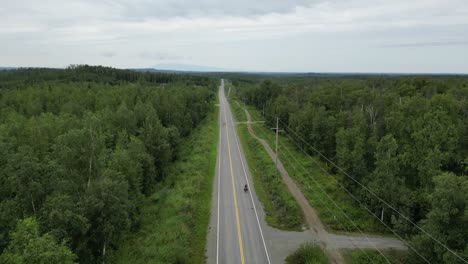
{"points": [[237, 235]]}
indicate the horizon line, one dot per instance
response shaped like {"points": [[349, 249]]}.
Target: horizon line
{"points": [[247, 71]]}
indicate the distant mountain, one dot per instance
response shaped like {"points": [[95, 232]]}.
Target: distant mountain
{"points": [[7, 68], [189, 68]]}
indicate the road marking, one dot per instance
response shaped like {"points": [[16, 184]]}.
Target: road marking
{"points": [[251, 197], [239, 235], [219, 184]]}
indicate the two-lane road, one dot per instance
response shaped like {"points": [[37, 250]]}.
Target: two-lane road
{"points": [[236, 235], [238, 231]]}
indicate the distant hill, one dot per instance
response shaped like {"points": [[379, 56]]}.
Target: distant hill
{"points": [[186, 68], [7, 68]]}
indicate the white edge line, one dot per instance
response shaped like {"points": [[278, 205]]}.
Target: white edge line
{"points": [[251, 196], [219, 184]]}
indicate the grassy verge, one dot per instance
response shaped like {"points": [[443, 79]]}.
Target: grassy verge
{"points": [[313, 180], [175, 218], [372, 256], [308, 254], [281, 209], [302, 170]]}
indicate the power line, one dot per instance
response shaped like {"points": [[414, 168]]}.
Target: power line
{"points": [[360, 184], [367, 189], [341, 210], [362, 205], [343, 226]]}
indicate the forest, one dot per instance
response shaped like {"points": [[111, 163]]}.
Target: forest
{"points": [[80, 148], [399, 143]]}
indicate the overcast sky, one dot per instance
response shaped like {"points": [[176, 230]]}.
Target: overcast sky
{"points": [[260, 35]]}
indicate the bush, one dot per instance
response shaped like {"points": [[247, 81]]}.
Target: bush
{"points": [[308, 254]]}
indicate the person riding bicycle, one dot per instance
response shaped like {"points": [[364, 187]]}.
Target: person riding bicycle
{"points": [[246, 188]]}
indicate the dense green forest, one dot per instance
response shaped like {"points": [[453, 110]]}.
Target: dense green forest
{"points": [[402, 138], [79, 150]]}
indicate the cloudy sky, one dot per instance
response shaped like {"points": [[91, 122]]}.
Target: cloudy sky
{"points": [[259, 35]]}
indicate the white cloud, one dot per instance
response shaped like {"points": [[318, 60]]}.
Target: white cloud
{"points": [[232, 34]]}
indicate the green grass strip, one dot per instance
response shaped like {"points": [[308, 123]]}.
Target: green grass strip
{"points": [[281, 209], [374, 257], [174, 220]]}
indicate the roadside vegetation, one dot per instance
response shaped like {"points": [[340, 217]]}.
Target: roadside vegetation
{"points": [[174, 219], [281, 210], [371, 256], [404, 138], [308, 254], [315, 183], [302, 170], [82, 149]]}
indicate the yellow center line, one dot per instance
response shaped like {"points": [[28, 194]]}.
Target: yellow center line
{"points": [[239, 235]]}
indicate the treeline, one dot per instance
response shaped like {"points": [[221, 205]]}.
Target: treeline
{"points": [[85, 73], [80, 148], [404, 138]]}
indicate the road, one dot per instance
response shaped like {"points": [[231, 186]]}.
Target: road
{"points": [[236, 235], [238, 232]]}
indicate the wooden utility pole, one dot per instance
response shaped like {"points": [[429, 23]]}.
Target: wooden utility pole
{"points": [[276, 159], [277, 130]]}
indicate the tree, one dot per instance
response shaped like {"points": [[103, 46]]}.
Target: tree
{"points": [[140, 110], [155, 137], [434, 137], [106, 205], [79, 151], [79, 148], [447, 221], [350, 151], [27, 176], [125, 118], [317, 127], [63, 214], [385, 181], [27, 246]]}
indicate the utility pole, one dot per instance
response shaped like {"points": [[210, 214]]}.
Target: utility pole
{"points": [[277, 128]]}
